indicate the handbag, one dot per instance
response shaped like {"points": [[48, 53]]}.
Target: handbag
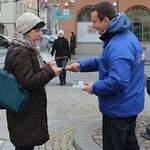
{"points": [[12, 95]]}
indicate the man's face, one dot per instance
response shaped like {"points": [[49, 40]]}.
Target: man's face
{"points": [[97, 24]]}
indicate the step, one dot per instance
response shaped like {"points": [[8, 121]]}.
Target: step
{"points": [[83, 138]]}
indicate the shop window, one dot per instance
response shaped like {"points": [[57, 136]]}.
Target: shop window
{"points": [[140, 19], [85, 15], [85, 33]]}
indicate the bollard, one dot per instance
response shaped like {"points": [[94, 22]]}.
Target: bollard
{"points": [[148, 130], [146, 134], [148, 85]]}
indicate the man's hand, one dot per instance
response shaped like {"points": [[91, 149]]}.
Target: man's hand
{"points": [[75, 67], [88, 87]]}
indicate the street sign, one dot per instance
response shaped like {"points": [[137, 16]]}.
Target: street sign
{"points": [[58, 16], [66, 12], [63, 17]]}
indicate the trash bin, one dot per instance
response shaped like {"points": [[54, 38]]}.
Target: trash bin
{"points": [[148, 85]]}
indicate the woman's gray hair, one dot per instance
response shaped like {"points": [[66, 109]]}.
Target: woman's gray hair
{"points": [[61, 32]]}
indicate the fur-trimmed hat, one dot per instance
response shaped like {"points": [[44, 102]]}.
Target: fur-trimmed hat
{"points": [[28, 21]]}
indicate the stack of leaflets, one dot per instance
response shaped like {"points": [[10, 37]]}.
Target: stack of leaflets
{"points": [[78, 84]]}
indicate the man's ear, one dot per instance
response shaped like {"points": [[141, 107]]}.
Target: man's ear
{"points": [[106, 19]]}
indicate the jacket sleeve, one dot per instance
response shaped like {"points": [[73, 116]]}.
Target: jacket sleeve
{"points": [[89, 64]]}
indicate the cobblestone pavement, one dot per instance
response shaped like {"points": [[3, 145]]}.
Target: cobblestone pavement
{"points": [[69, 109], [73, 103]]}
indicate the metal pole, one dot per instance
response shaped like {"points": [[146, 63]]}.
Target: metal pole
{"points": [[117, 5], [38, 8]]}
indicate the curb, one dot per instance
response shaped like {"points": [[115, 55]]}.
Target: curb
{"points": [[56, 125], [83, 137]]}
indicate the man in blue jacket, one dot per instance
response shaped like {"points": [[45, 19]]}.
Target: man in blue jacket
{"points": [[121, 84]]}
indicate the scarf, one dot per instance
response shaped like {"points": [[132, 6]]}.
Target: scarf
{"points": [[25, 41]]}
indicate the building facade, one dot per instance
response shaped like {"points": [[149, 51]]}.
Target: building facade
{"points": [[10, 11], [80, 22], [75, 15]]}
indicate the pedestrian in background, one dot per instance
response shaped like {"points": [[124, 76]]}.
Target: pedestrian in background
{"points": [[44, 48], [44, 45], [72, 43], [28, 67], [62, 54], [121, 84]]}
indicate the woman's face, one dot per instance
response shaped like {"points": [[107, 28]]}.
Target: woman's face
{"points": [[35, 34], [60, 35]]}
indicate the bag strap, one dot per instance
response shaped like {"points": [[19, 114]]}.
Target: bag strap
{"points": [[7, 63]]}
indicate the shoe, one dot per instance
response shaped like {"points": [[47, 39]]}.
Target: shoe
{"points": [[64, 82], [61, 83]]}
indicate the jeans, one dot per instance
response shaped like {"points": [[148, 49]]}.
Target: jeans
{"points": [[62, 64], [119, 133], [24, 148]]}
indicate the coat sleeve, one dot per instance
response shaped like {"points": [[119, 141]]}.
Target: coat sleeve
{"points": [[48, 46], [27, 71], [68, 49], [53, 48]]}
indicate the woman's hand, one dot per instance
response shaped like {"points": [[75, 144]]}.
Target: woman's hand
{"points": [[57, 70], [48, 64]]}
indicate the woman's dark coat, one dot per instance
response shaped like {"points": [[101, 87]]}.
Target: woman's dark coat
{"points": [[73, 41], [31, 129], [61, 46]]}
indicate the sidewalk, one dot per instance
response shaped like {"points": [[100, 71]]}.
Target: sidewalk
{"points": [[73, 116]]}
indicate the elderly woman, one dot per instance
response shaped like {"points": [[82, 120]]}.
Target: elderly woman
{"points": [[27, 65], [61, 46]]}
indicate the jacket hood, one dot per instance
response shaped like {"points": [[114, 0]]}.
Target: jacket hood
{"points": [[118, 24]]}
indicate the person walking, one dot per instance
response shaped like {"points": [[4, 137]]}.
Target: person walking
{"points": [[32, 74], [121, 84], [44, 45], [44, 48], [62, 54], [72, 43]]}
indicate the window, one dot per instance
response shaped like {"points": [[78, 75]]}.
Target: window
{"points": [[85, 15], [85, 33], [140, 19]]}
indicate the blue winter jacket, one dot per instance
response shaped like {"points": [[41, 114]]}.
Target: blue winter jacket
{"points": [[121, 85]]}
